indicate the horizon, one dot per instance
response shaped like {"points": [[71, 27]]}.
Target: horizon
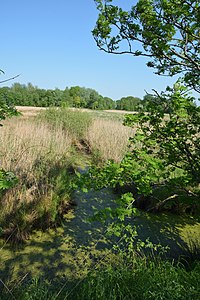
{"points": [[51, 45]]}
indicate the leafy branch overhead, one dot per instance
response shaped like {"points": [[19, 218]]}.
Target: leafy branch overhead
{"points": [[166, 31]]}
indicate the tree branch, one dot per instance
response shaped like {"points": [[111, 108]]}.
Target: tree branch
{"points": [[10, 78]]}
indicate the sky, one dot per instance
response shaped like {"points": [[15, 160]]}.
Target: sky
{"points": [[50, 44]]}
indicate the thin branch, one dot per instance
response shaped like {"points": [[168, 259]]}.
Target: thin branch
{"points": [[8, 290], [161, 204], [119, 52], [10, 78], [185, 57]]}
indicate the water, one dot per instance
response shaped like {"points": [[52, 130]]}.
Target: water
{"points": [[70, 251]]}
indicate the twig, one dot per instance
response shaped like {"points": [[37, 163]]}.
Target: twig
{"points": [[10, 78], [18, 283], [8, 239], [162, 203], [7, 289]]}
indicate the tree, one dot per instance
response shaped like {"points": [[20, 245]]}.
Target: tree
{"points": [[109, 103], [155, 98], [162, 165], [165, 31], [6, 111], [128, 103]]}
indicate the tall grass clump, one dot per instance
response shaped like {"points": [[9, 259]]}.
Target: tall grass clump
{"points": [[108, 138], [75, 122], [40, 158]]}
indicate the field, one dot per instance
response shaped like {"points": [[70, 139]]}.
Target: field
{"points": [[49, 249]]}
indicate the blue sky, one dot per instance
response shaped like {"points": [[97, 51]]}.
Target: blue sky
{"points": [[49, 42]]}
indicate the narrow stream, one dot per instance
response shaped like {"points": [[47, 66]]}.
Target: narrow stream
{"points": [[71, 250]]}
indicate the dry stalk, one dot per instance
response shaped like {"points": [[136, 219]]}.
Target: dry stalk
{"points": [[109, 137]]}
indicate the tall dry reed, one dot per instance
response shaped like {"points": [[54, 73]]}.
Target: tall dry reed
{"points": [[109, 138], [23, 141], [38, 152], [39, 157]]}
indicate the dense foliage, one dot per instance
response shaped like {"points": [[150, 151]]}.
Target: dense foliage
{"points": [[161, 169], [165, 148], [128, 103], [164, 152], [79, 97], [6, 110]]}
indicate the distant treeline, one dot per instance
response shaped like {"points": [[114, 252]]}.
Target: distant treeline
{"points": [[80, 97]]}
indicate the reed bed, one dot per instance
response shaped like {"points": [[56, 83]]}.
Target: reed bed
{"points": [[42, 152], [109, 138], [39, 156], [24, 141]]}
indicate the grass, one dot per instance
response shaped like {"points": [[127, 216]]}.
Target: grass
{"points": [[97, 132], [39, 156], [23, 141], [75, 122], [42, 152], [108, 138], [142, 281], [138, 279]]}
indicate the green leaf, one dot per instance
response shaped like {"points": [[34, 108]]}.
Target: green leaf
{"points": [[7, 180]]}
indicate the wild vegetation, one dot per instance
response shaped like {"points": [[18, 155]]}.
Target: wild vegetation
{"points": [[48, 150], [39, 158], [43, 153], [163, 156], [159, 171], [139, 279], [164, 152]]}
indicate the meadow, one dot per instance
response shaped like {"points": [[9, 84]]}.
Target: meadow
{"points": [[49, 249]]}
